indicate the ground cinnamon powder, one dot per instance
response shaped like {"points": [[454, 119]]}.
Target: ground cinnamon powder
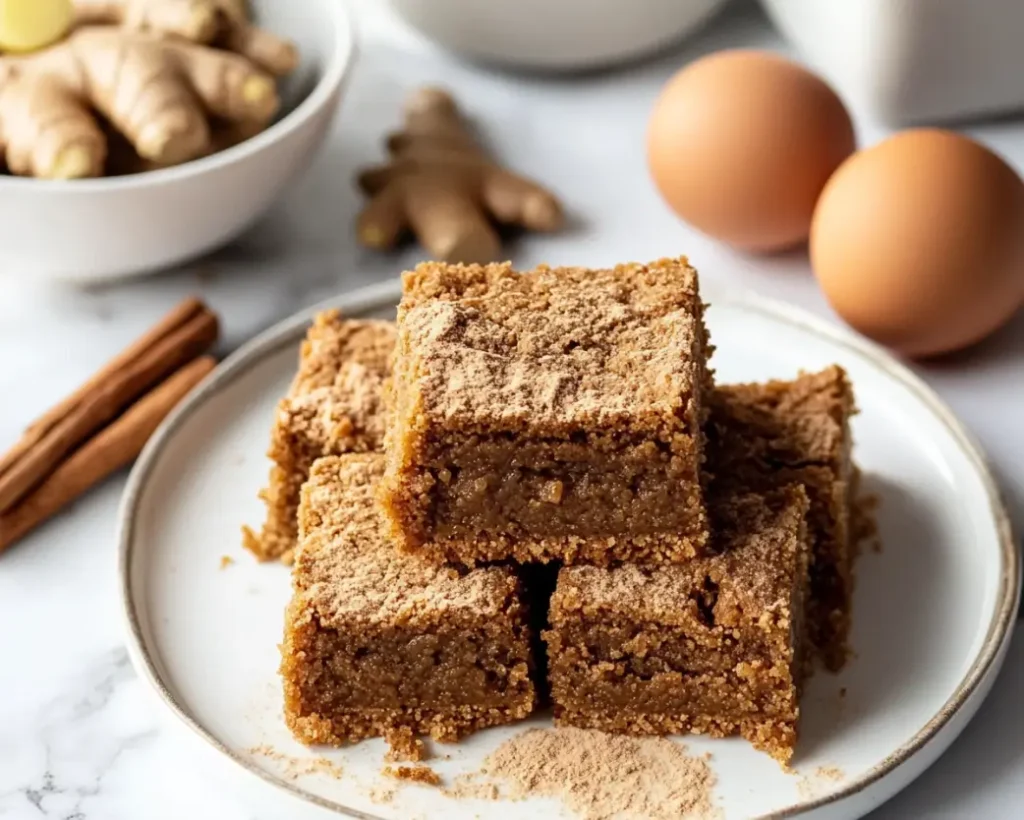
{"points": [[598, 776]]}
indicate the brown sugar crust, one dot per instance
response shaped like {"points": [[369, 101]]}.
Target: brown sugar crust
{"points": [[553, 351], [753, 575], [376, 640], [714, 645], [763, 435], [553, 414], [351, 574], [334, 406], [805, 420]]}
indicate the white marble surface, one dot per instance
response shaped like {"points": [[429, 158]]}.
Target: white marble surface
{"points": [[79, 736]]}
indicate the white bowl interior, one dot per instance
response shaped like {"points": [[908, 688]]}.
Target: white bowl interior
{"points": [[302, 22]]}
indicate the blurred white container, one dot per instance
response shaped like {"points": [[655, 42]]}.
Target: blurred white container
{"points": [[95, 229], [913, 61], [555, 35]]}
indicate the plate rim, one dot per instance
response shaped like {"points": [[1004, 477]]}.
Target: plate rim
{"points": [[288, 331]]}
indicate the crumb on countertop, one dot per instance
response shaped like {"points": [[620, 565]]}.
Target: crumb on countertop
{"points": [[226, 561]]}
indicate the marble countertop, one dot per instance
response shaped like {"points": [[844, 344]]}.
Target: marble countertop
{"points": [[80, 737]]}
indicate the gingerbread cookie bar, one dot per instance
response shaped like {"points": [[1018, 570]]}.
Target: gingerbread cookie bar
{"points": [[334, 406], [763, 435], [376, 640], [550, 415], [713, 646]]}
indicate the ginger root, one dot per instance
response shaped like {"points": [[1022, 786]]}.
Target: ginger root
{"points": [[27, 25], [158, 92], [122, 158], [441, 185], [219, 23]]}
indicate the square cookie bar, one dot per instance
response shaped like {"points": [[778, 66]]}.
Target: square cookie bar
{"points": [[334, 406], [764, 435], [550, 415], [376, 640], [713, 646]]}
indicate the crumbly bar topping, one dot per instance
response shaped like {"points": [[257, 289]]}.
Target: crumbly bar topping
{"points": [[780, 423], [558, 347], [760, 538], [335, 400], [350, 571]]}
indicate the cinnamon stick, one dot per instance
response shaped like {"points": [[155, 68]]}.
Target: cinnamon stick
{"points": [[180, 336], [114, 447]]}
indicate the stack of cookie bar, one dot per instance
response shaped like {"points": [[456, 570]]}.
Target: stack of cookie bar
{"points": [[540, 464]]}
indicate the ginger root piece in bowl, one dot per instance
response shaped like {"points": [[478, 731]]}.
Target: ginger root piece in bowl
{"points": [[158, 71], [28, 25], [189, 105], [222, 23], [158, 92]]}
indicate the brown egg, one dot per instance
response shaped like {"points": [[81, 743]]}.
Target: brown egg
{"points": [[741, 143], [918, 242]]}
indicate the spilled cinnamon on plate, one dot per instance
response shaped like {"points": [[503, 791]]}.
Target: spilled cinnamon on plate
{"points": [[597, 776], [104, 424]]}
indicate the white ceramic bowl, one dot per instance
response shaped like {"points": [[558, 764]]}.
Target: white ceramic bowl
{"points": [[555, 35], [106, 228]]}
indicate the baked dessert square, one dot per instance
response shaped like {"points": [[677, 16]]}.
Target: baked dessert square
{"points": [[550, 415], [334, 406], [764, 435], [712, 646], [377, 641]]}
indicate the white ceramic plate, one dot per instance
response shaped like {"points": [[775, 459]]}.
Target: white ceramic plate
{"points": [[933, 614]]}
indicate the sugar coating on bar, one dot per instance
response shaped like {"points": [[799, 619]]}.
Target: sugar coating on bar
{"points": [[376, 640], [352, 574], [767, 434], [553, 414], [714, 645], [557, 349], [334, 405]]}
